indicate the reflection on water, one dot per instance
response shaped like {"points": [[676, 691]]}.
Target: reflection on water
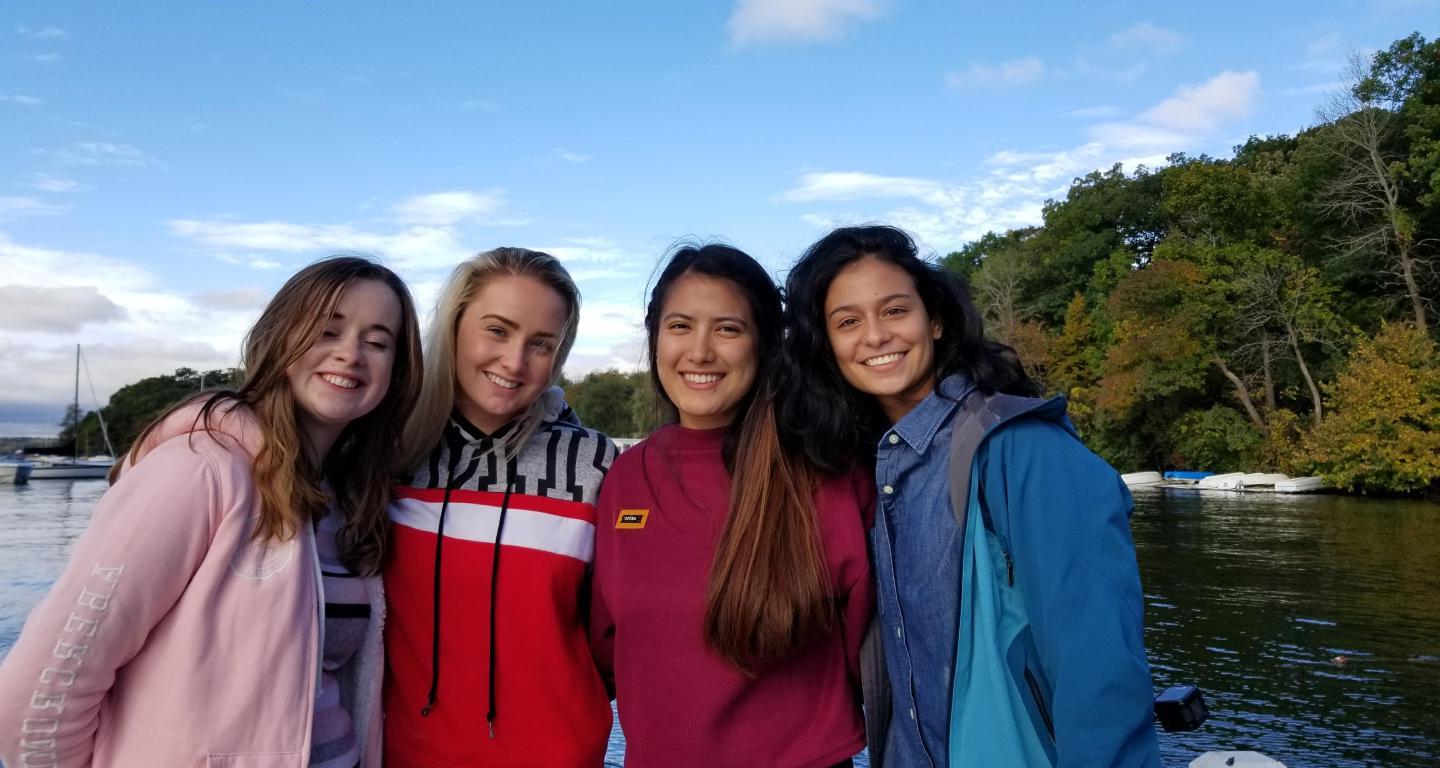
{"points": [[1312, 622], [39, 521]]}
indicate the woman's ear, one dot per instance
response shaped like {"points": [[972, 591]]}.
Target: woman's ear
{"points": [[936, 329]]}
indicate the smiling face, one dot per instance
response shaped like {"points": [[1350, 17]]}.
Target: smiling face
{"points": [[706, 353], [882, 337], [346, 372], [505, 345]]}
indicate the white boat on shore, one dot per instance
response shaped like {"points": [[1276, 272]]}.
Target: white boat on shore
{"points": [[67, 469], [1141, 479], [1230, 481], [1298, 485], [15, 472]]}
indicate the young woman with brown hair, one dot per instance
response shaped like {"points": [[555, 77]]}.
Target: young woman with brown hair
{"points": [[731, 583], [225, 604]]}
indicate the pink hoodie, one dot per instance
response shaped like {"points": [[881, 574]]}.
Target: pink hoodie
{"points": [[172, 639]]}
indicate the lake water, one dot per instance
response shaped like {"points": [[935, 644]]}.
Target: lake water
{"points": [[1311, 622]]}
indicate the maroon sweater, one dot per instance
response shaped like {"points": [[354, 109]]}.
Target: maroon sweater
{"points": [[658, 519]]}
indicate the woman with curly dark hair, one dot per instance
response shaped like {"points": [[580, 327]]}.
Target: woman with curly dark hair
{"points": [[1009, 604]]}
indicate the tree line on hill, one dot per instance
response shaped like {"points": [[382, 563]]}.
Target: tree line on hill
{"points": [[1268, 311]]}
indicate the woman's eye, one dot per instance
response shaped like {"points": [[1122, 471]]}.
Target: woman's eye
{"points": [[678, 327], [496, 331], [329, 333], [377, 344], [729, 330], [891, 312], [847, 323], [543, 344]]}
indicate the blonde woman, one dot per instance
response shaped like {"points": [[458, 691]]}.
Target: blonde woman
{"points": [[223, 607], [494, 534]]}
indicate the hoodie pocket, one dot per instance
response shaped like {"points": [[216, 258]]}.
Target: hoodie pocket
{"points": [[255, 760]]}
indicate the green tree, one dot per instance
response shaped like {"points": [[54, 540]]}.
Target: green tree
{"points": [[606, 401], [1383, 433]]}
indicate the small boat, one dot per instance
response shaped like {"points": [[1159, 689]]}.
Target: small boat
{"points": [[1261, 480], [75, 468], [1186, 476], [1299, 485], [1226, 482], [1139, 479], [54, 468], [15, 472], [1236, 759]]}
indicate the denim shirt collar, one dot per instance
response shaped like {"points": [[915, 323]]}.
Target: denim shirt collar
{"points": [[918, 427]]}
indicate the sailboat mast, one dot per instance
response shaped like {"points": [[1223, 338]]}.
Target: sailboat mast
{"points": [[75, 425]]}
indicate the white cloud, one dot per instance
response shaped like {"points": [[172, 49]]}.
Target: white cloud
{"points": [[1200, 108], [448, 208], [765, 22], [852, 185], [15, 207], [42, 33], [21, 99], [477, 105], [131, 326], [91, 153], [1011, 189], [1009, 74], [54, 310], [47, 182], [39, 58], [422, 232], [245, 298], [1149, 38], [568, 156]]}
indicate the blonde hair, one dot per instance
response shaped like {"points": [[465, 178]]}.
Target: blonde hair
{"points": [[437, 397]]}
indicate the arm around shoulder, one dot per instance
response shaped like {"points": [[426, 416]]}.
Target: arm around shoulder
{"points": [[147, 536]]}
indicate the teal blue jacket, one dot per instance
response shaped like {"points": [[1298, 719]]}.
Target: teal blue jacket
{"points": [[1061, 519]]}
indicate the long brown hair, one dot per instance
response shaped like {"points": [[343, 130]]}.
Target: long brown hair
{"points": [[437, 398], [360, 466], [769, 593]]}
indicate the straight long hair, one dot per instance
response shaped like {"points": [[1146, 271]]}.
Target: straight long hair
{"points": [[769, 592], [437, 398], [359, 467], [836, 425]]}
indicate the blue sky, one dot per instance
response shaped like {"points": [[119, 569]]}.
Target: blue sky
{"points": [[164, 166]]}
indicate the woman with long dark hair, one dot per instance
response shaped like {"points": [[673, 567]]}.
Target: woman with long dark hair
{"points": [[1010, 610], [731, 584], [224, 607]]}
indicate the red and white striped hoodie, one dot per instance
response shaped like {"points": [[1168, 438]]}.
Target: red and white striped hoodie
{"points": [[489, 662]]}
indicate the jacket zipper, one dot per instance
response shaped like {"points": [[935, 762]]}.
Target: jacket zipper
{"points": [[1040, 703]]}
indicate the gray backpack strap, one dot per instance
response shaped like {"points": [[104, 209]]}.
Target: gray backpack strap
{"points": [[971, 423], [875, 690]]}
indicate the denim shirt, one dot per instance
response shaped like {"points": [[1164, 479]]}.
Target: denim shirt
{"points": [[916, 547]]}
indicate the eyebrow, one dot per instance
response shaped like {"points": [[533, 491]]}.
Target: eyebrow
{"points": [[883, 300], [375, 327], [511, 324], [722, 318]]}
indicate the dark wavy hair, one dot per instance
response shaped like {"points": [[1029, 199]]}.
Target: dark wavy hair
{"points": [[834, 424], [769, 592]]}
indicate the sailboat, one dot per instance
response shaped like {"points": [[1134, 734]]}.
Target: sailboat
{"points": [[54, 468]]}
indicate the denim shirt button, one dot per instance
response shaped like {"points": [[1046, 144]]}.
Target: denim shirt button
{"points": [[899, 633], [912, 713], [888, 490], [894, 438]]}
